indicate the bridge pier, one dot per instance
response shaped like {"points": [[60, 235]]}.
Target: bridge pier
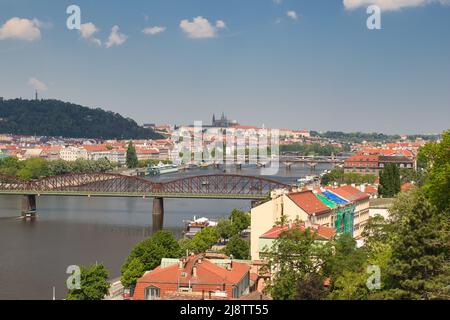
{"points": [[29, 205], [158, 214]]}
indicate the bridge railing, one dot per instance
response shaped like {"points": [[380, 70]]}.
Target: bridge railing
{"points": [[104, 183]]}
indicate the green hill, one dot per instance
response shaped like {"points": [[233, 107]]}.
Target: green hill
{"points": [[63, 119]]}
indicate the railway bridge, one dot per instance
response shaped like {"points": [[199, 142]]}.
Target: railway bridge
{"points": [[214, 186]]}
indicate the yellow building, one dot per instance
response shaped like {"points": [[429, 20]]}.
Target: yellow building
{"points": [[321, 207]]}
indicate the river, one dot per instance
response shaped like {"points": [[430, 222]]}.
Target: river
{"points": [[34, 255]]}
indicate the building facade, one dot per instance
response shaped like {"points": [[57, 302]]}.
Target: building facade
{"points": [[195, 276], [73, 153], [345, 208]]}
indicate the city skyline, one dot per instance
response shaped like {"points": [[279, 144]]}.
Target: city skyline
{"points": [[282, 64]]}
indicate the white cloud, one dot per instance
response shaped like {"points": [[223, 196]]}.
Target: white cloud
{"points": [[21, 29], [37, 84], [292, 14], [154, 30], [277, 1], [87, 31], [201, 28], [391, 5], [116, 38], [220, 24]]}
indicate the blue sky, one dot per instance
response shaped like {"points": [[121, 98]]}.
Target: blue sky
{"points": [[323, 70]]}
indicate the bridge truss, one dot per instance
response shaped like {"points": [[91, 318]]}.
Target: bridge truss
{"points": [[216, 186]]}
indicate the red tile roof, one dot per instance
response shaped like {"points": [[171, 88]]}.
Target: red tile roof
{"points": [[407, 186], [370, 189], [207, 273], [147, 151], [350, 193], [322, 232], [386, 152], [362, 158], [308, 202], [95, 148]]}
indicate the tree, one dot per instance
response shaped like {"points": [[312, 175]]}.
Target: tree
{"points": [[224, 228], [94, 284], [376, 232], [239, 221], [343, 256], [419, 267], [350, 285], [204, 240], [134, 270], [411, 175], [311, 287], [9, 166], [103, 165], [338, 175], [132, 160], [435, 158], [389, 181], [149, 252], [33, 168], [59, 167], [292, 256], [60, 119], [238, 248]]}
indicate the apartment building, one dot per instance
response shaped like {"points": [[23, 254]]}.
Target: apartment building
{"points": [[73, 153], [321, 234], [195, 276], [345, 209]]}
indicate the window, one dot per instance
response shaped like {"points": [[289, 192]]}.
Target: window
{"points": [[184, 289], [152, 293]]}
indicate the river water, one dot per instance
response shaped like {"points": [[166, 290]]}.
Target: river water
{"points": [[34, 255]]}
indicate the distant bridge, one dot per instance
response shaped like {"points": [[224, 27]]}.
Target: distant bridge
{"points": [[215, 186], [291, 158]]}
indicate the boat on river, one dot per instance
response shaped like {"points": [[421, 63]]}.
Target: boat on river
{"points": [[162, 168], [192, 227]]}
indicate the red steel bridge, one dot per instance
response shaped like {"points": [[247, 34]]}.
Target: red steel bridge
{"points": [[216, 186]]}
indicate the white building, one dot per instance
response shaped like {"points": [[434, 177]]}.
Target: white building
{"points": [[73, 153]]}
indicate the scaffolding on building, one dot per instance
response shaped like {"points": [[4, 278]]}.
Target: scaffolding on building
{"points": [[344, 219]]}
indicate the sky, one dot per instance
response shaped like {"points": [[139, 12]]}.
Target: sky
{"points": [[295, 64]]}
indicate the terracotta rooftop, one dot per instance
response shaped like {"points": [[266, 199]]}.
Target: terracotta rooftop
{"points": [[322, 232], [370, 189], [308, 202], [349, 193], [363, 158], [207, 272]]}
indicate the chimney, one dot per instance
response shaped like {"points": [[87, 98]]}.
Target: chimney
{"points": [[194, 272]]}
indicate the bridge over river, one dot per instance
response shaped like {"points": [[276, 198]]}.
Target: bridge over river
{"points": [[213, 186]]}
